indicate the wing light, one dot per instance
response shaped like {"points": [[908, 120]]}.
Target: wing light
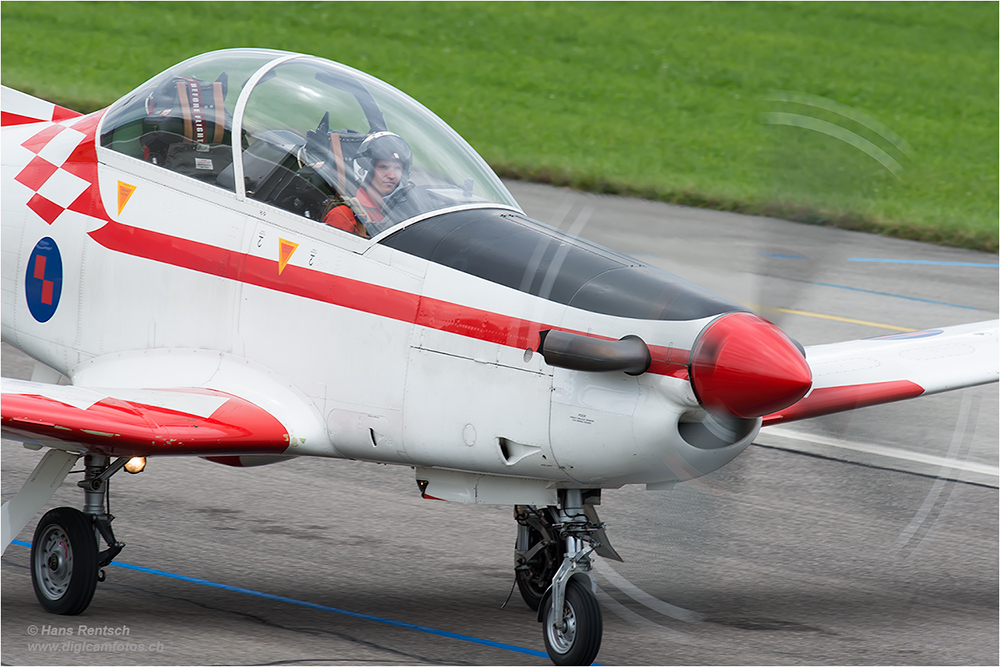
{"points": [[136, 465], [744, 366]]}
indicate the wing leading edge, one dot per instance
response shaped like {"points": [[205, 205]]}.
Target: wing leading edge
{"points": [[861, 373], [138, 422]]}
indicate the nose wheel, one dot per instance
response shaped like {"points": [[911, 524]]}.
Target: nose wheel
{"points": [[552, 566], [64, 561], [576, 639]]}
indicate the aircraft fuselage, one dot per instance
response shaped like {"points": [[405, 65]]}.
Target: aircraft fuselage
{"points": [[403, 358]]}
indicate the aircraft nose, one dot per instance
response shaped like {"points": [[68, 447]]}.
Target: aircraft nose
{"points": [[744, 366]]}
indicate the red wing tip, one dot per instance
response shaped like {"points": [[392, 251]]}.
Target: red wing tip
{"points": [[828, 400]]}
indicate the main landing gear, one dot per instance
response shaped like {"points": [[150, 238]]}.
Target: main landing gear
{"points": [[552, 565], [65, 562]]}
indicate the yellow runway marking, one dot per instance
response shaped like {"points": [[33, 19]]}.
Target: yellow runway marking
{"points": [[843, 319]]}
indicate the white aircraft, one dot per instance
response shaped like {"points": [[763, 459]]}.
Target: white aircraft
{"points": [[258, 255]]}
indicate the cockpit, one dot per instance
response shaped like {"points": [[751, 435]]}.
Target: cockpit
{"points": [[307, 136], [297, 132]]}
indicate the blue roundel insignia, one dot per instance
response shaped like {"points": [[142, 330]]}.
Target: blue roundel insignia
{"points": [[43, 282]]}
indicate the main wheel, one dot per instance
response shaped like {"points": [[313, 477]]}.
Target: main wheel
{"points": [[536, 575], [64, 561], [579, 639]]}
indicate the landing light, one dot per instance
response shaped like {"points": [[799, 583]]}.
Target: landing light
{"points": [[136, 464]]}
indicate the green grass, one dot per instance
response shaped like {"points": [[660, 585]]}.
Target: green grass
{"points": [[661, 100]]}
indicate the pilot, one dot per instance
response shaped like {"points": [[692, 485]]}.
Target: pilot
{"points": [[383, 162]]}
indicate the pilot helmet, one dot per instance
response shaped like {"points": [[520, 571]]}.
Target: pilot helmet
{"points": [[382, 146]]}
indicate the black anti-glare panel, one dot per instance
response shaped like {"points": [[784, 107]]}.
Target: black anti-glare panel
{"points": [[512, 250]]}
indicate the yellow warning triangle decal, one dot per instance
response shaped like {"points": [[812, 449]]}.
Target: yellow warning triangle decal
{"points": [[285, 250], [124, 192]]}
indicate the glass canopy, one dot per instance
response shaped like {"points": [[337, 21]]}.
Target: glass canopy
{"points": [[304, 134]]}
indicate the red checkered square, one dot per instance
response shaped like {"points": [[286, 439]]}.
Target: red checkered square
{"points": [[41, 140], [36, 173], [45, 209]]}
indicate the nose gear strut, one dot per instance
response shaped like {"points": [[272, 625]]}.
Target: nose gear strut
{"points": [[552, 565]]}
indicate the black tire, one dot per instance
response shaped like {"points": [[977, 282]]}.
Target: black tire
{"points": [[64, 561], [530, 590], [580, 641], [533, 582]]}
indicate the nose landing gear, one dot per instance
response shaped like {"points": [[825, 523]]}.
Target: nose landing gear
{"points": [[552, 566]]}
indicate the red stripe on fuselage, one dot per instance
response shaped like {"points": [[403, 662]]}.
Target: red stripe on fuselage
{"points": [[349, 293], [172, 250]]}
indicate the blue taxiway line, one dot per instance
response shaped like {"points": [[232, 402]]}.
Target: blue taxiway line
{"points": [[927, 262], [890, 261], [322, 607], [898, 296], [880, 260]]}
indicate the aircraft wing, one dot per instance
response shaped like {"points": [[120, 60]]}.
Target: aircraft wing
{"points": [[860, 373], [138, 422]]}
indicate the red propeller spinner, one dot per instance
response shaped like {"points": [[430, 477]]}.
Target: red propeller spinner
{"points": [[744, 366]]}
